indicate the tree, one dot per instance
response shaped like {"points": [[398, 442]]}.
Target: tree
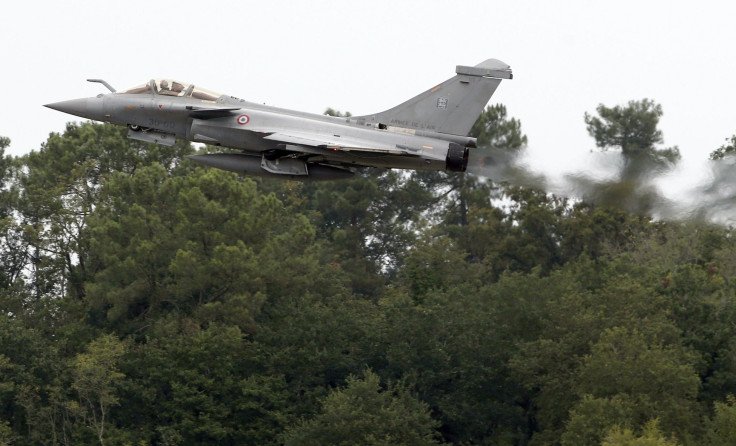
{"points": [[13, 256], [654, 380], [452, 345], [365, 414], [337, 113], [251, 312], [349, 214], [728, 149], [4, 164], [721, 427], [7, 438], [435, 264], [633, 130], [592, 417], [315, 340], [96, 378], [494, 129], [454, 194], [207, 244], [651, 436], [193, 385], [59, 189]]}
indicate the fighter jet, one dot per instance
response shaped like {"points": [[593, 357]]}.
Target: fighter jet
{"points": [[427, 132]]}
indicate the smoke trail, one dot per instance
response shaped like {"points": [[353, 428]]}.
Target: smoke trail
{"points": [[631, 184], [644, 185], [715, 199], [505, 166]]}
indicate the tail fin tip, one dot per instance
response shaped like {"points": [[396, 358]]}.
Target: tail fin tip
{"points": [[494, 64], [488, 68]]}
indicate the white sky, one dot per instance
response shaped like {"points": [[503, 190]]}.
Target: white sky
{"points": [[365, 57]]}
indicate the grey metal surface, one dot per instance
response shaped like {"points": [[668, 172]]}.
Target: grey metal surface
{"points": [[427, 132]]}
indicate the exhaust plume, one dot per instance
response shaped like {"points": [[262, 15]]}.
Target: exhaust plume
{"points": [[644, 185]]}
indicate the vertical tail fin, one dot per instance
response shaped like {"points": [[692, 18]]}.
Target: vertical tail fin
{"points": [[451, 107]]}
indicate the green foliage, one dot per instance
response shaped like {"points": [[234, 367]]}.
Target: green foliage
{"points": [[348, 215], [434, 265], [206, 245], [332, 112], [725, 150], [365, 414], [144, 300], [451, 197], [633, 130], [721, 428], [495, 129], [315, 341], [95, 378], [190, 385], [651, 436], [12, 256], [655, 380], [7, 438], [450, 348], [592, 417]]}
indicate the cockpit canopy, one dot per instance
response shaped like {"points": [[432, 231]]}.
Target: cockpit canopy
{"points": [[169, 87]]}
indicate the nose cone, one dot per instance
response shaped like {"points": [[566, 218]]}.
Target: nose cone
{"points": [[90, 108]]}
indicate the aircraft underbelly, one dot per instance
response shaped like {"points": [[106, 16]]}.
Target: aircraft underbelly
{"points": [[379, 160]]}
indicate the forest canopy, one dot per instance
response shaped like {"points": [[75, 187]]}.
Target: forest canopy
{"points": [[146, 300]]}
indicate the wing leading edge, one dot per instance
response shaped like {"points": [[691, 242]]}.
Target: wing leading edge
{"points": [[335, 144]]}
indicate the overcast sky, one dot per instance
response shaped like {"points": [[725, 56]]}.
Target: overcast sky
{"points": [[364, 57]]}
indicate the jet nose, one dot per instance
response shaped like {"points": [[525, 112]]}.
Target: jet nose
{"points": [[76, 107], [90, 108]]}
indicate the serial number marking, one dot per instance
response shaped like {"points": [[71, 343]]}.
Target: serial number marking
{"points": [[412, 124], [161, 123]]}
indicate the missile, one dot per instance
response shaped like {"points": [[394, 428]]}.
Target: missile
{"points": [[293, 169]]}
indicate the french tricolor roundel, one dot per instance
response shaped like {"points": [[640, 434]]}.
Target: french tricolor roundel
{"points": [[243, 119]]}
